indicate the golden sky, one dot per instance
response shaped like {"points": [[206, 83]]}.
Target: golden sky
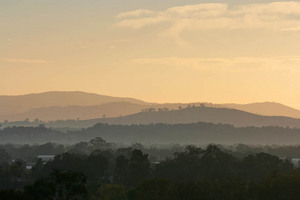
{"points": [[175, 51]]}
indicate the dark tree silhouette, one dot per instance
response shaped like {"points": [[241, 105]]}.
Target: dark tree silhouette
{"points": [[59, 185]]}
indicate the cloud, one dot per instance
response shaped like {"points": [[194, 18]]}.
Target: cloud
{"points": [[276, 16], [291, 29], [122, 40], [26, 61], [177, 61], [282, 63], [135, 13], [138, 23]]}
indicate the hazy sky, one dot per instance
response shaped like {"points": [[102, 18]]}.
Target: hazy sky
{"points": [[175, 51]]}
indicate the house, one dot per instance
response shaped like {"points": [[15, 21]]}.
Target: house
{"points": [[295, 162], [46, 158]]}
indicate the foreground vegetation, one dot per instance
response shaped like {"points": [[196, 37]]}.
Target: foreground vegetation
{"points": [[104, 172]]}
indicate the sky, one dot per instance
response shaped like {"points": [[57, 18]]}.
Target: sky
{"points": [[170, 51]]}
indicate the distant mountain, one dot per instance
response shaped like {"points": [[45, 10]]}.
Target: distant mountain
{"points": [[79, 105], [114, 109], [266, 108], [11, 105], [191, 114]]}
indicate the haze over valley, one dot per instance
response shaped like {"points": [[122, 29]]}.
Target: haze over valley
{"points": [[77, 116], [149, 100]]}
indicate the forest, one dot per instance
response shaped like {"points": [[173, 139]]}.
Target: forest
{"points": [[101, 170], [191, 133]]}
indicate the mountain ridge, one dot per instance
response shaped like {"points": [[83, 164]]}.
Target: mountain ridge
{"points": [[267, 108], [64, 105], [230, 116], [22, 103], [191, 114]]}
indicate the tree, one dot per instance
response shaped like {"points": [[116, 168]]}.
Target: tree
{"points": [[96, 165], [217, 164], [12, 175], [157, 189], [37, 169], [262, 164], [121, 169], [98, 143], [137, 146], [138, 167], [60, 185], [12, 195], [279, 186], [195, 164], [42, 126], [111, 192], [82, 147], [4, 156]]}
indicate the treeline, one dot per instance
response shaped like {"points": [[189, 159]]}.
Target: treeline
{"points": [[273, 187], [127, 173], [282, 151], [29, 153], [190, 114], [194, 133]]}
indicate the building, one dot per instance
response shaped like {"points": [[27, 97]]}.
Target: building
{"points": [[46, 158]]}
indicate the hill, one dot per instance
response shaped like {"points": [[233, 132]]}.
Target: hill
{"points": [[51, 106], [266, 108], [187, 115], [204, 114], [113, 109], [116, 109], [194, 133], [11, 105]]}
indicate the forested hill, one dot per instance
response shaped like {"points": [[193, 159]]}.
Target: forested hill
{"points": [[187, 115], [194, 133], [190, 115]]}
